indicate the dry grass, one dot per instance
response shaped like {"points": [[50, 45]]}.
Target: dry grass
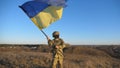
{"points": [[75, 57]]}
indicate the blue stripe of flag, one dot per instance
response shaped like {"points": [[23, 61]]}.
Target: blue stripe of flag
{"points": [[32, 8]]}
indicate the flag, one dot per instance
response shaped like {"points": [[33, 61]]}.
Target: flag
{"points": [[43, 12]]}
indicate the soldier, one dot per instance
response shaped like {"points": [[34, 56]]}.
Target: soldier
{"points": [[57, 45]]}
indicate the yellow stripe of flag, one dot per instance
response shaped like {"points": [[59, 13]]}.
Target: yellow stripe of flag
{"points": [[47, 16]]}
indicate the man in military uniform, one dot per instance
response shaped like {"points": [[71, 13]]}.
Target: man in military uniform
{"points": [[57, 45]]}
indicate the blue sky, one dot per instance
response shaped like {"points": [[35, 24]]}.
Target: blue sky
{"points": [[83, 22]]}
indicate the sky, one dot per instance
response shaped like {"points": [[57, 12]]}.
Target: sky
{"points": [[83, 22]]}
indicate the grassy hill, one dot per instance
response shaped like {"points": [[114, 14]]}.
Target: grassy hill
{"points": [[39, 56]]}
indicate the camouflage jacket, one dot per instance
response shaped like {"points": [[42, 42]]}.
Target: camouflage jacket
{"points": [[57, 52]]}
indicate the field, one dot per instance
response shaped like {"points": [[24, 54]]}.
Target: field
{"points": [[75, 56]]}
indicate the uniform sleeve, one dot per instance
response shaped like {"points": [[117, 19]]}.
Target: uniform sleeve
{"points": [[50, 42]]}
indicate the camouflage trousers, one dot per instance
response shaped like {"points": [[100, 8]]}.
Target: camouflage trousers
{"points": [[57, 62]]}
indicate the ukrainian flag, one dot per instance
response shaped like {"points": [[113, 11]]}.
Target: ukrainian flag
{"points": [[42, 14]]}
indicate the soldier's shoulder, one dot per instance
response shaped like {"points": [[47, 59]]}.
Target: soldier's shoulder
{"points": [[60, 39]]}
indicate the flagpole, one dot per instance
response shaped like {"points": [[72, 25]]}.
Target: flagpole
{"points": [[44, 34]]}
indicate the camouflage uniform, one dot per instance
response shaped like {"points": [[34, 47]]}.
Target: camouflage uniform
{"points": [[57, 52]]}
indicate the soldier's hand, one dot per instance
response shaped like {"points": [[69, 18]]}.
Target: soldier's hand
{"points": [[48, 38], [57, 47]]}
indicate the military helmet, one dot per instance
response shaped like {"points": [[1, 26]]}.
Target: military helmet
{"points": [[55, 33]]}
